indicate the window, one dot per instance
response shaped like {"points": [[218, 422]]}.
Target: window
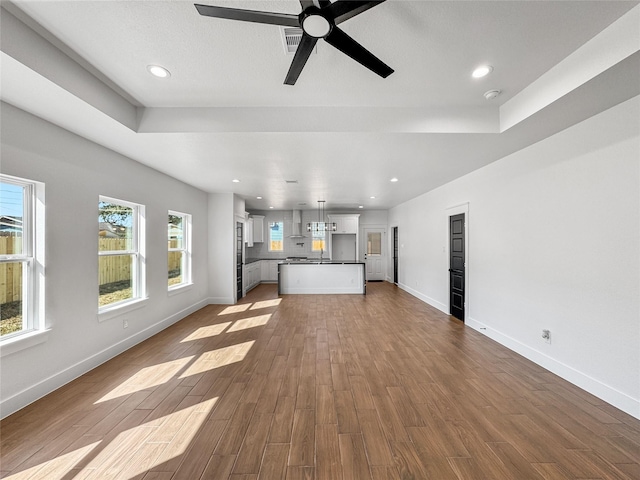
{"points": [[120, 255], [21, 256], [318, 237], [374, 243], [179, 260], [276, 237]]}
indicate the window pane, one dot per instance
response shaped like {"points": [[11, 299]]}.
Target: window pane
{"points": [[115, 227], [374, 243], [176, 231], [10, 297], [318, 242], [114, 272], [276, 237], [175, 268], [11, 216]]}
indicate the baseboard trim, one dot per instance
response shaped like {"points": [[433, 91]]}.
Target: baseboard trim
{"points": [[434, 303], [595, 387], [35, 392], [221, 301]]}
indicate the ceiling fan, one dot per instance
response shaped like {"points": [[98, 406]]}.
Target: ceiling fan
{"points": [[317, 20]]}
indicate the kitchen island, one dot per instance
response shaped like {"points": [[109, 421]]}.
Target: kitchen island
{"points": [[321, 277]]}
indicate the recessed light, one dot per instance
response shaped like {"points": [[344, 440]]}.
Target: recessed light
{"points": [[482, 71], [360, 206], [158, 71], [259, 198], [270, 207], [394, 179], [235, 180], [372, 197]]}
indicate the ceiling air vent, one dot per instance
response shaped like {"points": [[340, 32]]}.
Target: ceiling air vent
{"points": [[291, 181], [291, 37]]}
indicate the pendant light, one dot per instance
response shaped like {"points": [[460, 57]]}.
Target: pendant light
{"points": [[321, 226]]}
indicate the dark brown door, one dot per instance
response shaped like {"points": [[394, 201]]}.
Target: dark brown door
{"points": [[239, 265], [395, 255], [456, 265]]}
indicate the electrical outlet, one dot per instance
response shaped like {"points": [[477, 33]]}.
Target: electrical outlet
{"points": [[546, 334], [125, 323]]}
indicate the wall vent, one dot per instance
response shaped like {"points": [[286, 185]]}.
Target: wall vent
{"points": [[291, 37]]}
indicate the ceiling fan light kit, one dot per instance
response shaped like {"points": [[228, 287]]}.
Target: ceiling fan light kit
{"points": [[315, 22]]}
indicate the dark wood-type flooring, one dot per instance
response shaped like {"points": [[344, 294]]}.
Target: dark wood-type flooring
{"points": [[320, 387]]}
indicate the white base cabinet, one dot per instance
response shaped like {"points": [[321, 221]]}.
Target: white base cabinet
{"points": [[252, 274], [269, 271]]}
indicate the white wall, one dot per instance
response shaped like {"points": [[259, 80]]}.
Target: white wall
{"points": [[554, 235], [222, 262], [75, 172]]}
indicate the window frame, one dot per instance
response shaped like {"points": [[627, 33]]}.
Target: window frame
{"points": [[136, 251], [32, 260], [185, 263], [271, 241]]}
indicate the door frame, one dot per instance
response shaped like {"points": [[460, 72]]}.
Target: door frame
{"points": [[449, 212]]}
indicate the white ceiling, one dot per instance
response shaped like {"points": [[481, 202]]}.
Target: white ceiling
{"points": [[342, 132]]}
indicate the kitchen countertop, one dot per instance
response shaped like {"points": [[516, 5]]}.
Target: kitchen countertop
{"points": [[318, 262], [308, 261]]}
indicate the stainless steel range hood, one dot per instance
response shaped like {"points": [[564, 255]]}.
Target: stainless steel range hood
{"points": [[296, 225]]}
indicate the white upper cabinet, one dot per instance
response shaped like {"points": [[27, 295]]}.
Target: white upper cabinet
{"points": [[345, 223], [258, 228], [248, 234]]}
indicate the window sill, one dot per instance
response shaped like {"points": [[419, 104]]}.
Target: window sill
{"points": [[22, 342], [117, 310], [179, 289]]}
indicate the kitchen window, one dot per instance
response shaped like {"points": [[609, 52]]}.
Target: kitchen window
{"points": [[276, 236], [318, 240], [21, 257], [179, 250], [120, 253]]}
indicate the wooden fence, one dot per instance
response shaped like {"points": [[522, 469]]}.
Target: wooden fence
{"points": [[10, 282], [111, 268]]}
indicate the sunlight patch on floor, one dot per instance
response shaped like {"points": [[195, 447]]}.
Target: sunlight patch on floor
{"points": [[55, 468], [167, 441], [249, 323], [148, 377], [207, 331], [218, 358], [132, 452], [235, 309], [266, 304]]}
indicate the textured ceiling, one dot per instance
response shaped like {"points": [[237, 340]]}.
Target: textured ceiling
{"points": [[341, 131]]}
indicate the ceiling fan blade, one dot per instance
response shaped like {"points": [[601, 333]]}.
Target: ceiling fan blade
{"points": [[345, 9], [300, 58], [350, 47], [283, 19], [306, 4]]}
